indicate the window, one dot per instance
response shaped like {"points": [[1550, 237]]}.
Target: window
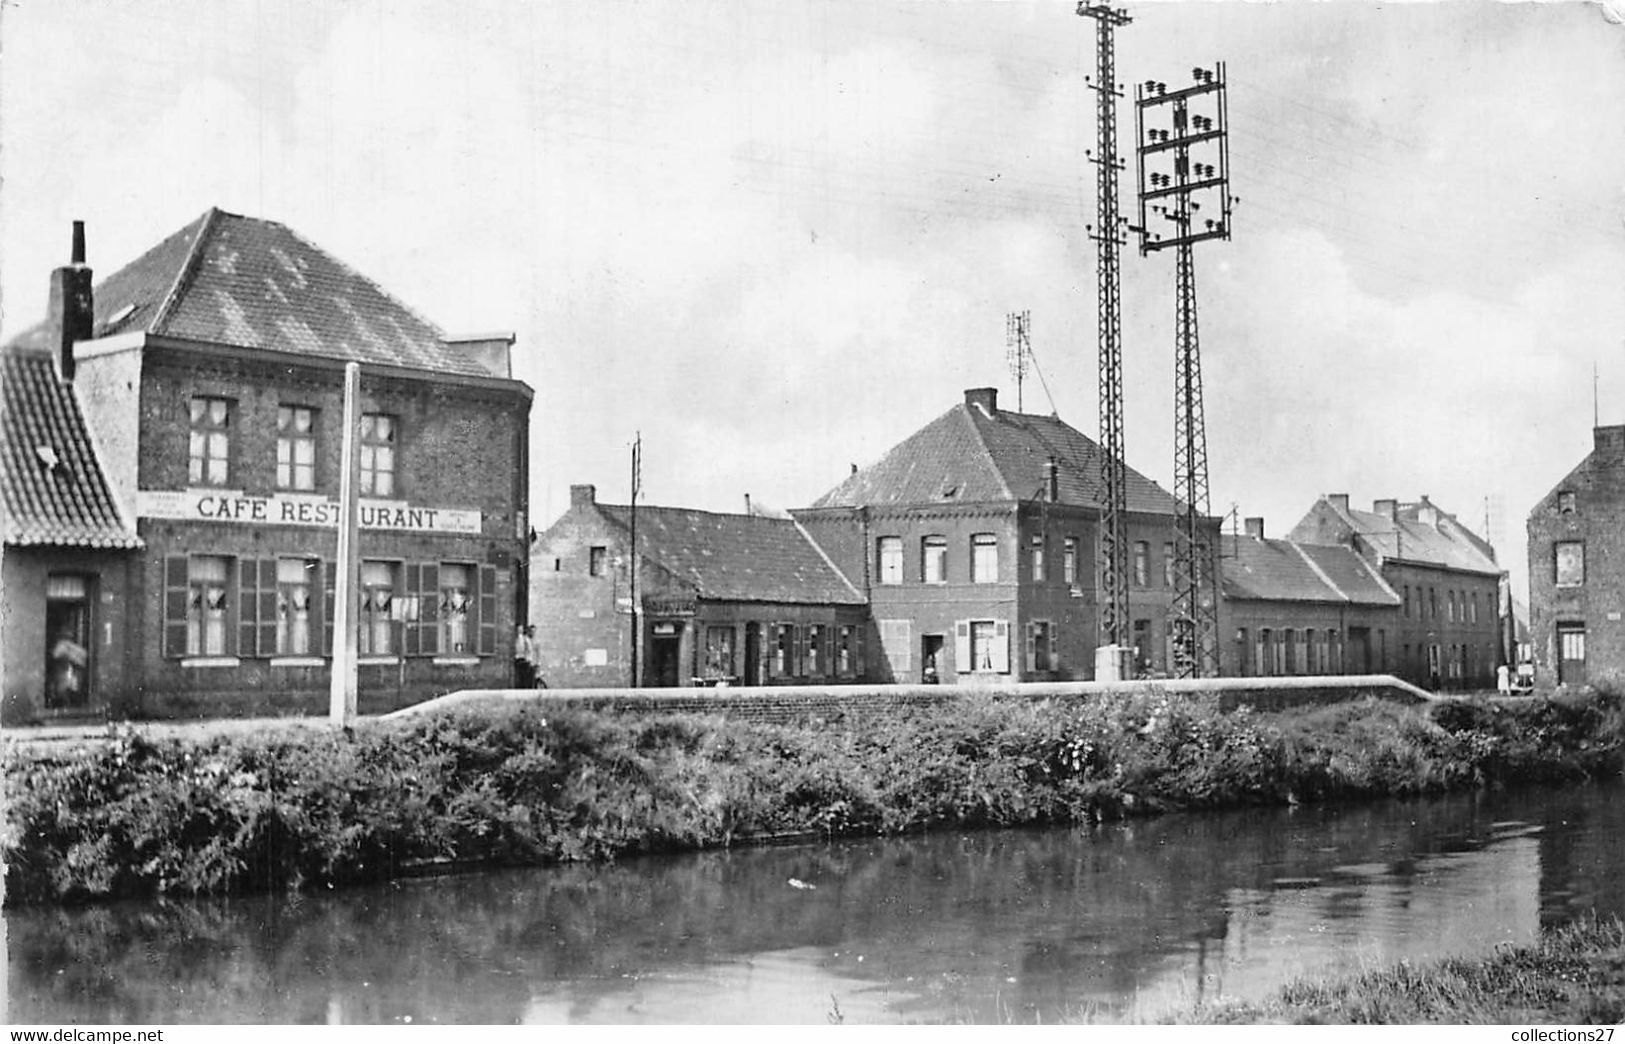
{"points": [[1040, 650], [1241, 652], [207, 583], [815, 651], [1571, 642], [1407, 599], [210, 442], [1570, 562], [1037, 553], [984, 558], [719, 652], [295, 447], [295, 579], [376, 631], [890, 559], [1450, 605], [1263, 657], [596, 556], [1565, 502], [1142, 563], [934, 559], [843, 651], [1167, 565], [456, 589], [1433, 602], [981, 645], [378, 431], [1334, 645], [1069, 561], [1474, 609], [782, 665]]}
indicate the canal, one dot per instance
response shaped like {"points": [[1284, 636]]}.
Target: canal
{"points": [[1111, 923]]}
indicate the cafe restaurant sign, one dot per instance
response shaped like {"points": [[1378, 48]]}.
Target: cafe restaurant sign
{"points": [[198, 505]]}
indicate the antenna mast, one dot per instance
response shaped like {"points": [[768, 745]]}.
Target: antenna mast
{"points": [[1108, 237], [1018, 348]]}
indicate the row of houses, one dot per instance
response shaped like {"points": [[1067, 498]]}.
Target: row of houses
{"points": [[169, 468], [967, 552]]}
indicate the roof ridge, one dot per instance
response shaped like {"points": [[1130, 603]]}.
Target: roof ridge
{"points": [[1325, 577], [981, 440], [188, 269], [850, 586], [357, 273]]}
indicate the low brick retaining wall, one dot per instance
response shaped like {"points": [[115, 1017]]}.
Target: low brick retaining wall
{"points": [[784, 704]]}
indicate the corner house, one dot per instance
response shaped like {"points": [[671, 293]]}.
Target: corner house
{"points": [[171, 474]]}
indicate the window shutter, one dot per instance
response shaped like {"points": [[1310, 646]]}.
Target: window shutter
{"points": [[486, 606], [267, 609], [412, 638], [1032, 648], [859, 667], [962, 662], [329, 610], [1001, 646], [248, 603], [176, 595], [429, 610]]}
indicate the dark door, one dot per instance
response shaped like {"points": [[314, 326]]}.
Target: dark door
{"points": [[1357, 656], [67, 643], [1571, 654], [663, 660], [753, 654]]}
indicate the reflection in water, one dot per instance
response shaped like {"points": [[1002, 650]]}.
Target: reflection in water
{"points": [[1000, 926]]}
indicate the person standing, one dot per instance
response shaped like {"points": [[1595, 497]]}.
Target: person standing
{"points": [[524, 658], [1503, 680]]}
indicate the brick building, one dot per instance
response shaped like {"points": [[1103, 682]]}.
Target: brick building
{"points": [[724, 599], [209, 377], [975, 541], [1448, 633], [1577, 569], [1302, 609]]}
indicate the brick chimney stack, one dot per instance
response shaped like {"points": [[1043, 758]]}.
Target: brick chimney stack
{"points": [[71, 312], [583, 495], [1052, 481], [1609, 442], [1426, 513], [1340, 501], [1388, 509], [1255, 527], [987, 399]]}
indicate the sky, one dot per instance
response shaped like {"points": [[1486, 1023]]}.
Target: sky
{"points": [[775, 237]]}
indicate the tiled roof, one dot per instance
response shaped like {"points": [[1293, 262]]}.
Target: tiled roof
{"points": [[744, 558], [1448, 543], [1283, 571], [250, 283], [969, 455], [51, 485]]}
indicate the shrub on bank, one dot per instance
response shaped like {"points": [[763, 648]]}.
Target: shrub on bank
{"points": [[528, 785]]}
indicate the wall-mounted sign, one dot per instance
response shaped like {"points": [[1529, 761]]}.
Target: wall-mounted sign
{"points": [[668, 607], [284, 509]]}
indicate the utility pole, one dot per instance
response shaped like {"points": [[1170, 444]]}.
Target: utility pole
{"points": [[1184, 160], [343, 686], [1110, 662], [632, 555], [1018, 348]]}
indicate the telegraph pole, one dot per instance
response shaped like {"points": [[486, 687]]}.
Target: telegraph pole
{"points": [[1184, 160], [342, 684], [632, 556], [1108, 237], [1018, 348]]}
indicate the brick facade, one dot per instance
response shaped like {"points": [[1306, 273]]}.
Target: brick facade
{"points": [[1577, 570]]}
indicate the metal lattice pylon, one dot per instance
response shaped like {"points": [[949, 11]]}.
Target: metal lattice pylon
{"points": [[1107, 234]]}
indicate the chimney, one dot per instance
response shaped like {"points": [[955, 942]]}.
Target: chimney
{"points": [[854, 469], [493, 351], [71, 312], [987, 399], [1426, 513], [1340, 501], [1609, 443], [1388, 509], [1052, 481], [747, 504], [583, 496], [1255, 527]]}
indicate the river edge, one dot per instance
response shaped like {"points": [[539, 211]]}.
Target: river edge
{"points": [[133, 816], [1573, 975]]}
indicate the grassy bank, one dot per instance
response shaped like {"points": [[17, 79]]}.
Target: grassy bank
{"points": [[1573, 975], [137, 816]]}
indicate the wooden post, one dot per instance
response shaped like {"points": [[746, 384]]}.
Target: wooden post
{"points": [[342, 695]]}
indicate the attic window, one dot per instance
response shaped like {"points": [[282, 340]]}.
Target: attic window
{"points": [[121, 315]]}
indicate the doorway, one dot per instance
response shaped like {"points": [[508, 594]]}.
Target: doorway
{"points": [[931, 664], [1571, 654], [664, 656], [753, 654], [1357, 652], [67, 642]]}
